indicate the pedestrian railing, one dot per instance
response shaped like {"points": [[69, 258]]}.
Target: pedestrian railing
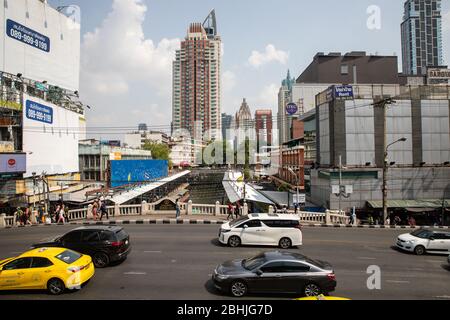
{"points": [[312, 217], [10, 221], [130, 210], [78, 214]]}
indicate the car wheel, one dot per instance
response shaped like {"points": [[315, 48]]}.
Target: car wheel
{"points": [[285, 243], [234, 241], [312, 290], [419, 250], [238, 289], [55, 286], [100, 260]]}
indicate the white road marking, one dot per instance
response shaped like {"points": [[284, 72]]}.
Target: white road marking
{"points": [[152, 251], [397, 281], [173, 261], [442, 297], [135, 273], [434, 261], [366, 258]]}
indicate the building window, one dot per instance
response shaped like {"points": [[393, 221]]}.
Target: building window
{"points": [[344, 69]]}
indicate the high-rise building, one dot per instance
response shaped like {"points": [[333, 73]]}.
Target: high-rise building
{"points": [[263, 126], [284, 97], [421, 36], [244, 125], [226, 124], [196, 81]]}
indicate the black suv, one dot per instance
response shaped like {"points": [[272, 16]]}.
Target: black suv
{"points": [[105, 244]]}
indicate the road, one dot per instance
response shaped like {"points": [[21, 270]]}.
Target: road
{"points": [[175, 262]]}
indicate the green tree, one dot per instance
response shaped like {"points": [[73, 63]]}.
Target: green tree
{"points": [[160, 151]]}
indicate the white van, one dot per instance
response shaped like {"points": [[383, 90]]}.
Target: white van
{"points": [[282, 230]]}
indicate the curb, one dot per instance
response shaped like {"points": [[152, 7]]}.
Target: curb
{"points": [[214, 222]]}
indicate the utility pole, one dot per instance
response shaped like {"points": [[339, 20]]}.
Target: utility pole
{"points": [[340, 182], [383, 105]]}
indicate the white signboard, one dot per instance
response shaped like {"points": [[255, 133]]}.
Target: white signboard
{"points": [[50, 137], [301, 198], [335, 189], [12, 162], [349, 189], [40, 43]]}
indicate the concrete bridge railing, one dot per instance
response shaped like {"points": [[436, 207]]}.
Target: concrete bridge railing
{"points": [[329, 217]]}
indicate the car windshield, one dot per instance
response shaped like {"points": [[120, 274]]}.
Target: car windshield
{"points": [[68, 256], [253, 263], [237, 221], [424, 234]]}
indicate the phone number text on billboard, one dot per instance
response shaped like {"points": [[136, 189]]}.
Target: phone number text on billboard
{"points": [[39, 112], [23, 34]]}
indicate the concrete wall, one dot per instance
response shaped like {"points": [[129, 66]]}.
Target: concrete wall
{"points": [[403, 184]]}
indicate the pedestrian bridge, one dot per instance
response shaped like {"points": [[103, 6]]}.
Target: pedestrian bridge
{"points": [[187, 208]]}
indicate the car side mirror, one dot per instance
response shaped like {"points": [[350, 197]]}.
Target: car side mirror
{"points": [[245, 226], [432, 238], [259, 272]]}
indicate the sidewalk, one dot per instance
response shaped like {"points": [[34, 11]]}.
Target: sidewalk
{"points": [[210, 219]]}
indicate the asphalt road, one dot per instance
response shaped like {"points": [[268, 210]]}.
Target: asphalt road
{"points": [[175, 262]]}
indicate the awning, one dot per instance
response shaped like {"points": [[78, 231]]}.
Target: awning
{"points": [[411, 204], [234, 187], [135, 192]]}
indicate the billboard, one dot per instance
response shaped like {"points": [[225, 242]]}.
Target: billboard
{"points": [[125, 172], [40, 43], [12, 162], [50, 137]]}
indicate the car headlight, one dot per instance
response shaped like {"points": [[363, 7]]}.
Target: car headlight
{"points": [[222, 277], [411, 241], [224, 231]]}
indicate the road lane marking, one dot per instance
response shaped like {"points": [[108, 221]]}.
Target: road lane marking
{"points": [[135, 273], [152, 251], [367, 258], [442, 297], [397, 281], [434, 261]]}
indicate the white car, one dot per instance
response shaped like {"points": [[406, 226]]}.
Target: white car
{"points": [[282, 230], [425, 241]]}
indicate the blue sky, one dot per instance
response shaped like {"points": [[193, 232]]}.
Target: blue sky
{"points": [[126, 89]]}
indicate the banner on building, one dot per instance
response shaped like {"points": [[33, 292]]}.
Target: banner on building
{"points": [[13, 162]]}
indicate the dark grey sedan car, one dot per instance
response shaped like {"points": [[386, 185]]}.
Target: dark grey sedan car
{"points": [[275, 272]]}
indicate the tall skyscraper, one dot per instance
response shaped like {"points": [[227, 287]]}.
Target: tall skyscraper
{"points": [[263, 126], [226, 124], [284, 97], [196, 81], [421, 36]]}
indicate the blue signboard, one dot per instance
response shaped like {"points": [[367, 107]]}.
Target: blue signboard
{"points": [[125, 172], [343, 92], [26, 35], [291, 109], [38, 112]]}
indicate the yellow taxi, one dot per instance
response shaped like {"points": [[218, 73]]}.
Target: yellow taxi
{"points": [[322, 297], [54, 269]]}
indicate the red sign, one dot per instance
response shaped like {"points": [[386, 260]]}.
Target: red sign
{"points": [[11, 162]]}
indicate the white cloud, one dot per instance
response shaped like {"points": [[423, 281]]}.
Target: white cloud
{"points": [[258, 59], [117, 53]]}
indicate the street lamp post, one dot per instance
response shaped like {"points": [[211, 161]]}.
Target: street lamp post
{"points": [[385, 168]]}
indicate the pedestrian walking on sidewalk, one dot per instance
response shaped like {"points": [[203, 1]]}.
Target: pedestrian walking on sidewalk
{"points": [[230, 211], [103, 210], [177, 208], [61, 215]]}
